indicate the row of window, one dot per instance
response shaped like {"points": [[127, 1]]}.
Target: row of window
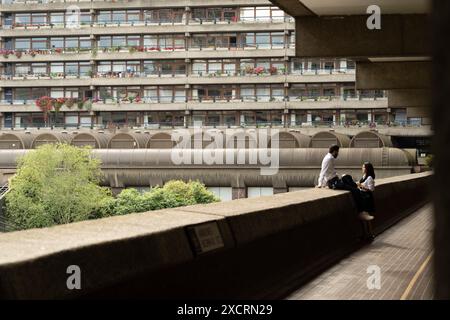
{"points": [[258, 92], [170, 15], [178, 67], [179, 41], [214, 118]]}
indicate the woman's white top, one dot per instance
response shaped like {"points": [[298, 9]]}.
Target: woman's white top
{"points": [[369, 184]]}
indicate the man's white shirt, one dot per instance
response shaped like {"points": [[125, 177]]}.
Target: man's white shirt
{"points": [[327, 172]]}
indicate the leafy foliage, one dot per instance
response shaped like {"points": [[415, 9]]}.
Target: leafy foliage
{"points": [[55, 184], [59, 183], [173, 194]]}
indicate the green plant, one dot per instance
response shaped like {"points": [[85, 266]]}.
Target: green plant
{"points": [[173, 194], [80, 104], [55, 184], [429, 160]]}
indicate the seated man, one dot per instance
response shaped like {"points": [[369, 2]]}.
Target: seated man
{"points": [[328, 176]]}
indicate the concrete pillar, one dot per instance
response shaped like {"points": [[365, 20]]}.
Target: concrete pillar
{"points": [[280, 190], [238, 193], [309, 117], [292, 119], [441, 125]]}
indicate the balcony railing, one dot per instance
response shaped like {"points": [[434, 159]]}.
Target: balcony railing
{"points": [[195, 73], [19, 53], [144, 23], [52, 124], [210, 99]]}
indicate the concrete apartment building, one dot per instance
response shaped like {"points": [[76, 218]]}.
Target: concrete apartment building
{"points": [[160, 64]]}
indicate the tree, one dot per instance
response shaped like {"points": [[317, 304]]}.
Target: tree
{"points": [[55, 184]]}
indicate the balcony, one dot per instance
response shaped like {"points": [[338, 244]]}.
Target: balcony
{"points": [[147, 53], [260, 102], [175, 78], [46, 5], [120, 27]]}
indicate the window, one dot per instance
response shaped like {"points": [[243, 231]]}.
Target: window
{"points": [[22, 69], [247, 13], [199, 66], [104, 16], [39, 18], [104, 42], [104, 67], [85, 68], [57, 18], [262, 13], [57, 43], [22, 19], [57, 67], [57, 93], [118, 16], [71, 43], [133, 15], [22, 44], [39, 43], [39, 68], [85, 43], [119, 41], [248, 92], [263, 93], [150, 67]]}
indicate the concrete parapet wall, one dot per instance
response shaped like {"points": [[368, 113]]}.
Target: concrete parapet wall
{"points": [[265, 246]]}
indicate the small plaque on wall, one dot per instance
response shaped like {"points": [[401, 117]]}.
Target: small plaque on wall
{"points": [[205, 237]]}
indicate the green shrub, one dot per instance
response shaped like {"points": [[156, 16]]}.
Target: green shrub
{"points": [[55, 184], [173, 194]]}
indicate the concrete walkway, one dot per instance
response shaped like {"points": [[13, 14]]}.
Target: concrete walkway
{"points": [[403, 255]]}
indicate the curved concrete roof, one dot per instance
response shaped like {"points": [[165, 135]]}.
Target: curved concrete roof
{"points": [[50, 137], [325, 139], [95, 140], [128, 140], [16, 140], [370, 139]]}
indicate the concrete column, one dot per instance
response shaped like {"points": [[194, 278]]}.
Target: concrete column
{"points": [[280, 190], [238, 193], [441, 124], [309, 117], [292, 119]]}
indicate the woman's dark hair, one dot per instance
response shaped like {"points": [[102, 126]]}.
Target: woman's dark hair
{"points": [[370, 172]]}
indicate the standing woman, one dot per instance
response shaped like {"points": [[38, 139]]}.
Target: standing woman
{"points": [[366, 187]]}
